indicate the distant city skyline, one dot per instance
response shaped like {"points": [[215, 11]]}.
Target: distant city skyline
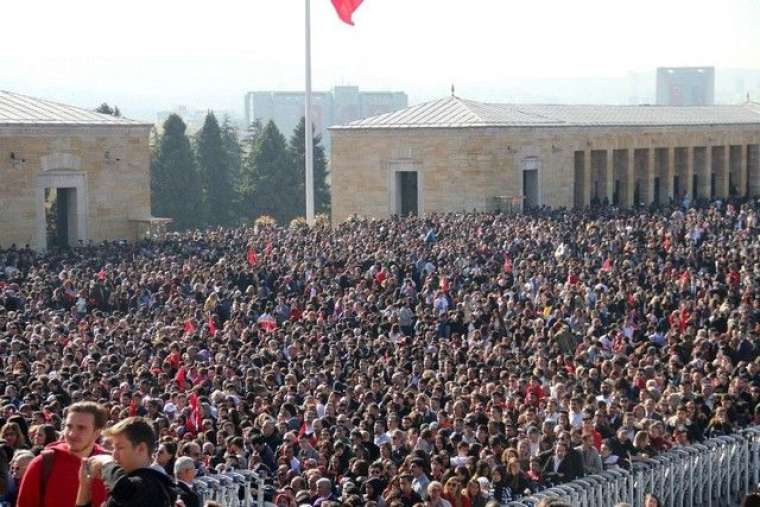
{"points": [[731, 86]]}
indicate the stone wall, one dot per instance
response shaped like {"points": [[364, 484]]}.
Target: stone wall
{"points": [[113, 164], [462, 168]]}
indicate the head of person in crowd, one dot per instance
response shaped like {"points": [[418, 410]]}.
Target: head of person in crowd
{"points": [[133, 442]]}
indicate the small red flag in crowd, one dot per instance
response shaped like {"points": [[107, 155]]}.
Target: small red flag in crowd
{"points": [[607, 265], [267, 323], [507, 264], [212, 327], [346, 8], [189, 327], [251, 256], [181, 378], [196, 419]]}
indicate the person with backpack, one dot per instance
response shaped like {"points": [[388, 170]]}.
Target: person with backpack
{"points": [[128, 475], [51, 479]]}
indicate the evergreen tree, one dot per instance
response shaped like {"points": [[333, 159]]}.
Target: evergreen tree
{"points": [[297, 149], [270, 183], [104, 108], [213, 165], [234, 154], [175, 182]]}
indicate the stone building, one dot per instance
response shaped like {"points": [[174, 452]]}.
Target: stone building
{"points": [[83, 175], [456, 154]]}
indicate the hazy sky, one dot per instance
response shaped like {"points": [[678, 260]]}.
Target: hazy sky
{"points": [[147, 55]]}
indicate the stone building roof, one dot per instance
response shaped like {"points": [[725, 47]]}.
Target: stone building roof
{"points": [[455, 112], [21, 110]]}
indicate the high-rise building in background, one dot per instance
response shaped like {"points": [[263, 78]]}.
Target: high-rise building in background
{"points": [[341, 105], [685, 86]]}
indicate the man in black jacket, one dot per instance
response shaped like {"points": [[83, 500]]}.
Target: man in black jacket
{"points": [[184, 472], [561, 466], [128, 476]]}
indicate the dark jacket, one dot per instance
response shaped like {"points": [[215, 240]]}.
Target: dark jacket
{"points": [[144, 487], [189, 497], [568, 470]]}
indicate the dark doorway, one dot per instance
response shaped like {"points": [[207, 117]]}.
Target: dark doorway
{"points": [[616, 194], [530, 188], [676, 186], [712, 185], [695, 187], [657, 191], [59, 203], [407, 193]]}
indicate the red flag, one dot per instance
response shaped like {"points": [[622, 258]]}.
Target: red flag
{"points": [[251, 256], [346, 8], [444, 284], [102, 274], [189, 327], [212, 327], [181, 378], [267, 323], [507, 264], [607, 265], [196, 416]]}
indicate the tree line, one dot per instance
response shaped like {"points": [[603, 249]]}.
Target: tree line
{"points": [[214, 178]]}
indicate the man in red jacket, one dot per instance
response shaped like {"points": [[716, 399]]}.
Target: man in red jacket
{"points": [[52, 478]]}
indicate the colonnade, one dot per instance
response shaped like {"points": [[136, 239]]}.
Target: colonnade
{"points": [[628, 176]]}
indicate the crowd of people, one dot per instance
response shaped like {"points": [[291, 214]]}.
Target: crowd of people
{"points": [[454, 360]]}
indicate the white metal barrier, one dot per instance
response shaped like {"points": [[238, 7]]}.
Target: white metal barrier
{"points": [[238, 488], [715, 473]]}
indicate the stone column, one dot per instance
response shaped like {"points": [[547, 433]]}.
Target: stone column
{"points": [[609, 177], [629, 180], [753, 169], [688, 189], [647, 180], [666, 189], [722, 172], [704, 179], [587, 178], [740, 179]]}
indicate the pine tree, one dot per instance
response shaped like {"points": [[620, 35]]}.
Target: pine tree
{"points": [[270, 185], [297, 149], [234, 154], [175, 182], [104, 108], [213, 165]]}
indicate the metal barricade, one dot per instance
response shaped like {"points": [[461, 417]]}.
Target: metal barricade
{"points": [[714, 473], [236, 488]]}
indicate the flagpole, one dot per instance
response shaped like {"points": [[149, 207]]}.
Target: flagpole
{"points": [[309, 153]]}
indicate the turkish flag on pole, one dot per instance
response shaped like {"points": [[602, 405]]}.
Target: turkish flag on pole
{"points": [[346, 8], [251, 256]]}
